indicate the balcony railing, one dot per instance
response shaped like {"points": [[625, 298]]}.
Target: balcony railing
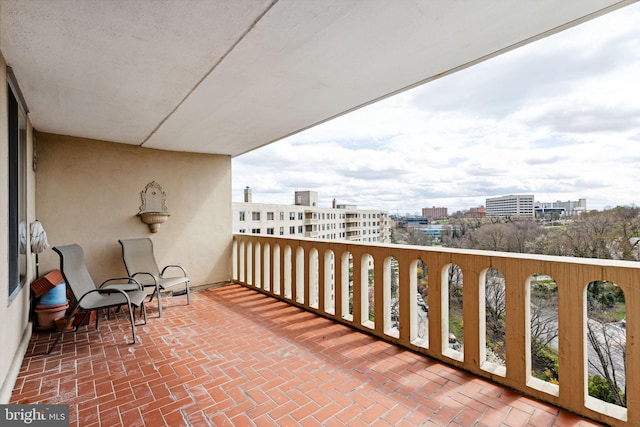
{"points": [[352, 283]]}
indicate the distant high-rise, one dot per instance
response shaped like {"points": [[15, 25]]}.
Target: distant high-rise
{"points": [[435, 213], [305, 219], [518, 205]]}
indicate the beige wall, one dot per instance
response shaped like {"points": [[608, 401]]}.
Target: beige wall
{"points": [[89, 193], [15, 329]]}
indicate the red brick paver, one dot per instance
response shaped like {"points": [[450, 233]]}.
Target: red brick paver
{"points": [[237, 357]]}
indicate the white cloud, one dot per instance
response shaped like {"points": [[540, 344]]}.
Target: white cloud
{"points": [[559, 118]]}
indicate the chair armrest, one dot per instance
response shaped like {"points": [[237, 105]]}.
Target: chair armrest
{"points": [[128, 279], [105, 291], [184, 272], [143, 273]]}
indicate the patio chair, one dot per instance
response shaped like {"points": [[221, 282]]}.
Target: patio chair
{"points": [[89, 297], [141, 264]]}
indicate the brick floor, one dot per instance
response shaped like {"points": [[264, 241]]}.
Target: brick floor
{"points": [[237, 357]]}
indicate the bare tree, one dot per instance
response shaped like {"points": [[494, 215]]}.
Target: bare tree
{"points": [[412, 236], [495, 310], [455, 290], [607, 340], [544, 330], [492, 237], [607, 344]]}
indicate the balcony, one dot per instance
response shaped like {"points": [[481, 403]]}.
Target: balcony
{"points": [[332, 279], [174, 106], [353, 226], [310, 218], [236, 356]]}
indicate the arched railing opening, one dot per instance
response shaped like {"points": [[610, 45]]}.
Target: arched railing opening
{"points": [[329, 282], [266, 268], [367, 283], [493, 320], [453, 326], [314, 286], [241, 261], [234, 260], [277, 273], [419, 303], [606, 338], [542, 357], [257, 270], [249, 264], [391, 309], [346, 281], [299, 280], [287, 279]]}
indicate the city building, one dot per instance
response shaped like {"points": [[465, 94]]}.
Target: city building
{"points": [[519, 205], [479, 212], [306, 219], [435, 213], [568, 208]]}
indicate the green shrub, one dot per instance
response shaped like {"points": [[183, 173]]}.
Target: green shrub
{"points": [[599, 388]]}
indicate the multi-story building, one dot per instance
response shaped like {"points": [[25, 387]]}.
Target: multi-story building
{"points": [[519, 205], [435, 213], [306, 219], [568, 208], [479, 212]]}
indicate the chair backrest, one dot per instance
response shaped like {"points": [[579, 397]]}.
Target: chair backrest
{"points": [[74, 270], [137, 255]]}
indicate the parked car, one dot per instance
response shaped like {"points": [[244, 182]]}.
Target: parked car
{"points": [[454, 343], [421, 303]]}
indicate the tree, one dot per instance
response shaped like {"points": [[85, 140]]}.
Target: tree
{"points": [[544, 327], [599, 234], [423, 279], [492, 237], [455, 301], [414, 237], [610, 234], [495, 235], [495, 310], [607, 342]]}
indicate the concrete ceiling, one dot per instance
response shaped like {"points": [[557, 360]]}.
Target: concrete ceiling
{"points": [[229, 76]]}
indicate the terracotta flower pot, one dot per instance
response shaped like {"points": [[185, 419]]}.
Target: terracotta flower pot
{"points": [[61, 321], [47, 313]]}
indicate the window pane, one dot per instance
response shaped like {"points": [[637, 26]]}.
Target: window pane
{"points": [[17, 134]]}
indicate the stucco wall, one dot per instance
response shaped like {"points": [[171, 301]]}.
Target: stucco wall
{"points": [[89, 193], [15, 328]]}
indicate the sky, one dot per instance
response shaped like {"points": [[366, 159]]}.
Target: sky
{"points": [[558, 118]]}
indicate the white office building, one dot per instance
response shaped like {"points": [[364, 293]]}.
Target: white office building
{"points": [[568, 208], [306, 219], [519, 205]]}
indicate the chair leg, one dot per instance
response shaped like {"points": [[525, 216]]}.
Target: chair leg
{"points": [[81, 321], [73, 312], [156, 293], [188, 294], [143, 309], [143, 314], [133, 329], [159, 298]]}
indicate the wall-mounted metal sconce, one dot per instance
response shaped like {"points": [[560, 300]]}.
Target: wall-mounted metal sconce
{"points": [[153, 210]]}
